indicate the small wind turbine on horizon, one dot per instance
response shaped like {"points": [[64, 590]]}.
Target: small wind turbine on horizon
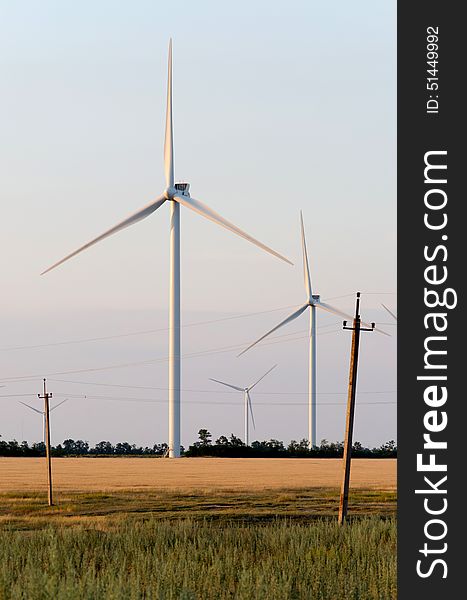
{"points": [[394, 316], [313, 302], [247, 400], [42, 412], [177, 194]]}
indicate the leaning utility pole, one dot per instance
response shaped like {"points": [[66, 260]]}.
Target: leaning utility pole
{"points": [[46, 397], [344, 499]]}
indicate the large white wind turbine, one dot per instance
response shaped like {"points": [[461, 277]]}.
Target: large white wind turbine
{"points": [[313, 302], [176, 194], [247, 400], [41, 412]]}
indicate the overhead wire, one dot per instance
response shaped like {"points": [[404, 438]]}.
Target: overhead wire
{"points": [[143, 332], [212, 391], [161, 329], [208, 352], [213, 402]]}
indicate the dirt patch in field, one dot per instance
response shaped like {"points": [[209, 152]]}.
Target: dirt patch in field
{"points": [[186, 474]]}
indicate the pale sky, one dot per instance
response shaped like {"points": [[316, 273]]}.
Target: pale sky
{"points": [[277, 107]]}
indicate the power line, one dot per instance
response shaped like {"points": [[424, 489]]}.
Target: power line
{"points": [[165, 389], [16, 395], [201, 353], [163, 400], [143, 332], [161, 329], [214, 402], [125, 398]]}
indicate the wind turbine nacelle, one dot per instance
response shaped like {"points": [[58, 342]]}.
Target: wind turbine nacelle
{"points": [[183, 188], [315, 297]]}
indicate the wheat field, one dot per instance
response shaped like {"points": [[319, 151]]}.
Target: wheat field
{"points": [[112, 474]]}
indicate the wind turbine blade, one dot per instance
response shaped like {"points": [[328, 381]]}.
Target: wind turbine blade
{"points": [[209, 213], [168, 144], [267, 373], [239, 389], [389, 311], [31, 407], [335, 311], [57, 405], [134, 218], [306, 266], [290, 318], [347, 317], [251, 410]]}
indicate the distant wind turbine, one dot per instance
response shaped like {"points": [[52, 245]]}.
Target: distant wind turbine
{"points": [[389, 311], [247, 400], [177, 194], [42, 412], [313, 302]]}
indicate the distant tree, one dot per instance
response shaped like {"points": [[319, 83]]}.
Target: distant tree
{"points": [[81, 447], [123, 448], [38, 448], [275, 445], [357, 446], [298, 448], [204, 437], [58, 450], [75, 448], [68, 446], [160, 449], [25, 449], [387, 450], [103, 447], [235, 441], [14, 447]]}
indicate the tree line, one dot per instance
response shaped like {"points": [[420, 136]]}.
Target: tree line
{"points": [[232, 447], [80, 448]]}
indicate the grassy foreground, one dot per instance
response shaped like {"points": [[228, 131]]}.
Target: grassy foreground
{"points": [[216, 546], [188, 560]]}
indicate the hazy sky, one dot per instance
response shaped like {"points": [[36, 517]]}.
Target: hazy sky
{"points": [[278, 106]]}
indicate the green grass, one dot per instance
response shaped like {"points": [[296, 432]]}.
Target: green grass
{"points": [[199, 546], [188, 560]]}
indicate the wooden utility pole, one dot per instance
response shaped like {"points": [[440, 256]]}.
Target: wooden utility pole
{"points": [[344, 499], [46, 397]]}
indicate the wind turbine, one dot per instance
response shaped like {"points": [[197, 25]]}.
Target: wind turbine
{"points": [[177, 194], [394, 316], [313, 302], [247, 400], [42, 412]]}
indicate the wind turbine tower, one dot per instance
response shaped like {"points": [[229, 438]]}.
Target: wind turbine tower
{"points": [[313, 302], [177, 194], [246, 400]]}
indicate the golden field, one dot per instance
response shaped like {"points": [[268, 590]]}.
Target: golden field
{"points": [[189, 474]]}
